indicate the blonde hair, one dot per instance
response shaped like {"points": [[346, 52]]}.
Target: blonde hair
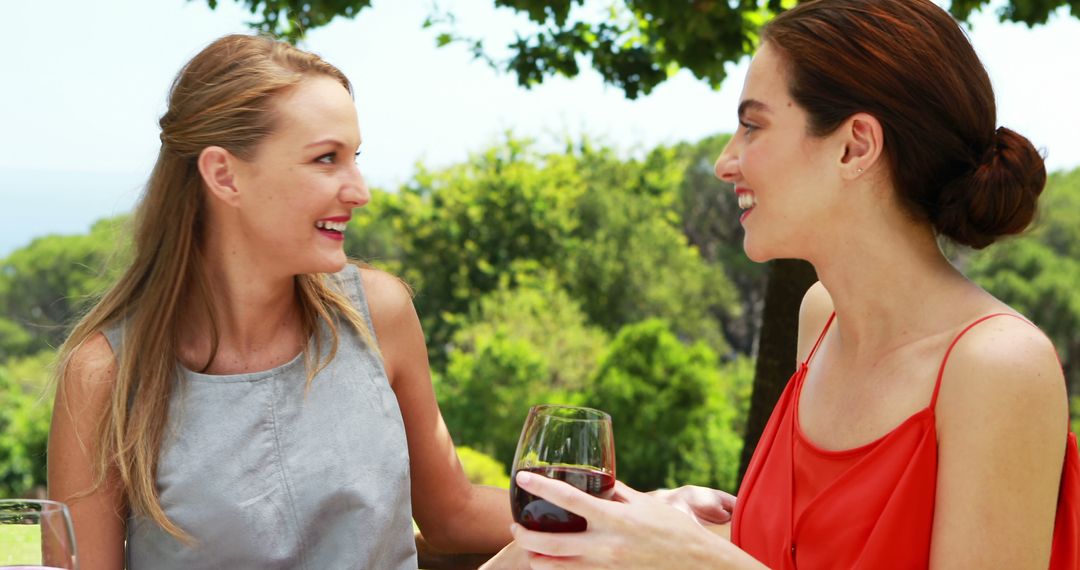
{"points": [[223, 97]]}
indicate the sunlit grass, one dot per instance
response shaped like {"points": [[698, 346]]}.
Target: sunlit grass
{"points": [[20, 544]]}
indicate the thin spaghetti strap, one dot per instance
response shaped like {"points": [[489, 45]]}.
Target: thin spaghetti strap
{"points": [[820, 338], [941, 370]]}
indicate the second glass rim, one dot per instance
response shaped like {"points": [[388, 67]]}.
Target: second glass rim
{"points": [[538, 409], [6, 504]]}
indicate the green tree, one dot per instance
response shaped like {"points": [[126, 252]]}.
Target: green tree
{"points": [[461, 229], [628, 260], [539, 312], [25, 413], [668, 405], [1074, 408], [486, 392], [45, 284], [376, 232], [710, 221], [634, 44], [603, 224], [14, 339], [1058, 222], [738, 378], [520, 346], [482, 469]]}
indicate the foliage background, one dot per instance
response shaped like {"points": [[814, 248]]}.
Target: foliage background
{"points": [[579, 276]]}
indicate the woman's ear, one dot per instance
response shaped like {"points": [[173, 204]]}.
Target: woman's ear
{"points": [[863, 145], [217, 167]]}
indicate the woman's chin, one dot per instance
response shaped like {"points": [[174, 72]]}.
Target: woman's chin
{"points": [[328, 264], [756, 253], [336, 265]]}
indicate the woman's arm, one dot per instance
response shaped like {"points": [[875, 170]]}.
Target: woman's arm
{"points": [[82, 397], [453, 514], [1002, 421]]}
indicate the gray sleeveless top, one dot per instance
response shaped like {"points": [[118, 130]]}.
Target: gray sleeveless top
{"points": [[264, 477]]}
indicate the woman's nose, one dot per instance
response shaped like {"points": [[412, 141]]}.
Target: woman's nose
{"points": [[355, 191], [727, 164]]}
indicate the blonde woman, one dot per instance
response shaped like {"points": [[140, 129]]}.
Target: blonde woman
{"points": [[244, 397]]}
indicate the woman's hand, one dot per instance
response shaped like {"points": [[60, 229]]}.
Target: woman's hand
{"points": [[707, 506], [510, 558], [634, 530]]}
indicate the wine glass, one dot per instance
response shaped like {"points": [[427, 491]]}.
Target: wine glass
{"points": [[36, 535], [568, 443]]}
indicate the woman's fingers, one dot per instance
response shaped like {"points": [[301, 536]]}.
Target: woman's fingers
{"points": [[541, 562], [512, 557], [726, 499], [562, 494], [707, 506], [626, 494], [712, 505], [555, 544]]}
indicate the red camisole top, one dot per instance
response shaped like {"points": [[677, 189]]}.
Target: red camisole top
{"points": [[801, 506]]}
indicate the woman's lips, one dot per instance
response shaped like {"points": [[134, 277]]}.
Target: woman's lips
{"points": [[747, 201], [338, 236]]}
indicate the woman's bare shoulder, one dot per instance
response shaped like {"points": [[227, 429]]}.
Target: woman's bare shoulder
{"points": [[1003, 376], [1008, 361], [816, 308], [397, 326], [388, 297], [92, 365]]}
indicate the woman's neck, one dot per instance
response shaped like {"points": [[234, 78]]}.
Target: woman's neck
{"points": [[256, 314], [892, 288]]}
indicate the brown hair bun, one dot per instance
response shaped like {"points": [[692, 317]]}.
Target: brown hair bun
{"points": [[997, 198]]}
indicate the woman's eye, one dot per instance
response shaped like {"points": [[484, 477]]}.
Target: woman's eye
{"points": [[749, 128], [327, 158], [356, 156]]}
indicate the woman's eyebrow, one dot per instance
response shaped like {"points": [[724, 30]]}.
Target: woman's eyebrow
{"points": [[328, 140], [752, 105]]}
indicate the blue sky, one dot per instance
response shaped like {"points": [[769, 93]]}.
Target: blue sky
{"points": [[83, 90]]}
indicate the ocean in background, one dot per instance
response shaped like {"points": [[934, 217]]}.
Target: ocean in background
{"points": [[39, 203]]}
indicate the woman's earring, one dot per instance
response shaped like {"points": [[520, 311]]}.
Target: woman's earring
{"points": [[858, 171]]}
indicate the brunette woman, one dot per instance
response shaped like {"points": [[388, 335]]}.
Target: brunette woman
{"points": [[926, 424]]}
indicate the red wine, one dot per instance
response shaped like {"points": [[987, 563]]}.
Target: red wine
{"points": [[534, 513]]}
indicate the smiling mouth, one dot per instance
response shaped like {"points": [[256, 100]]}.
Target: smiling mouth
{"points": [[334, 230], [747, 200], [331, 226]]}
